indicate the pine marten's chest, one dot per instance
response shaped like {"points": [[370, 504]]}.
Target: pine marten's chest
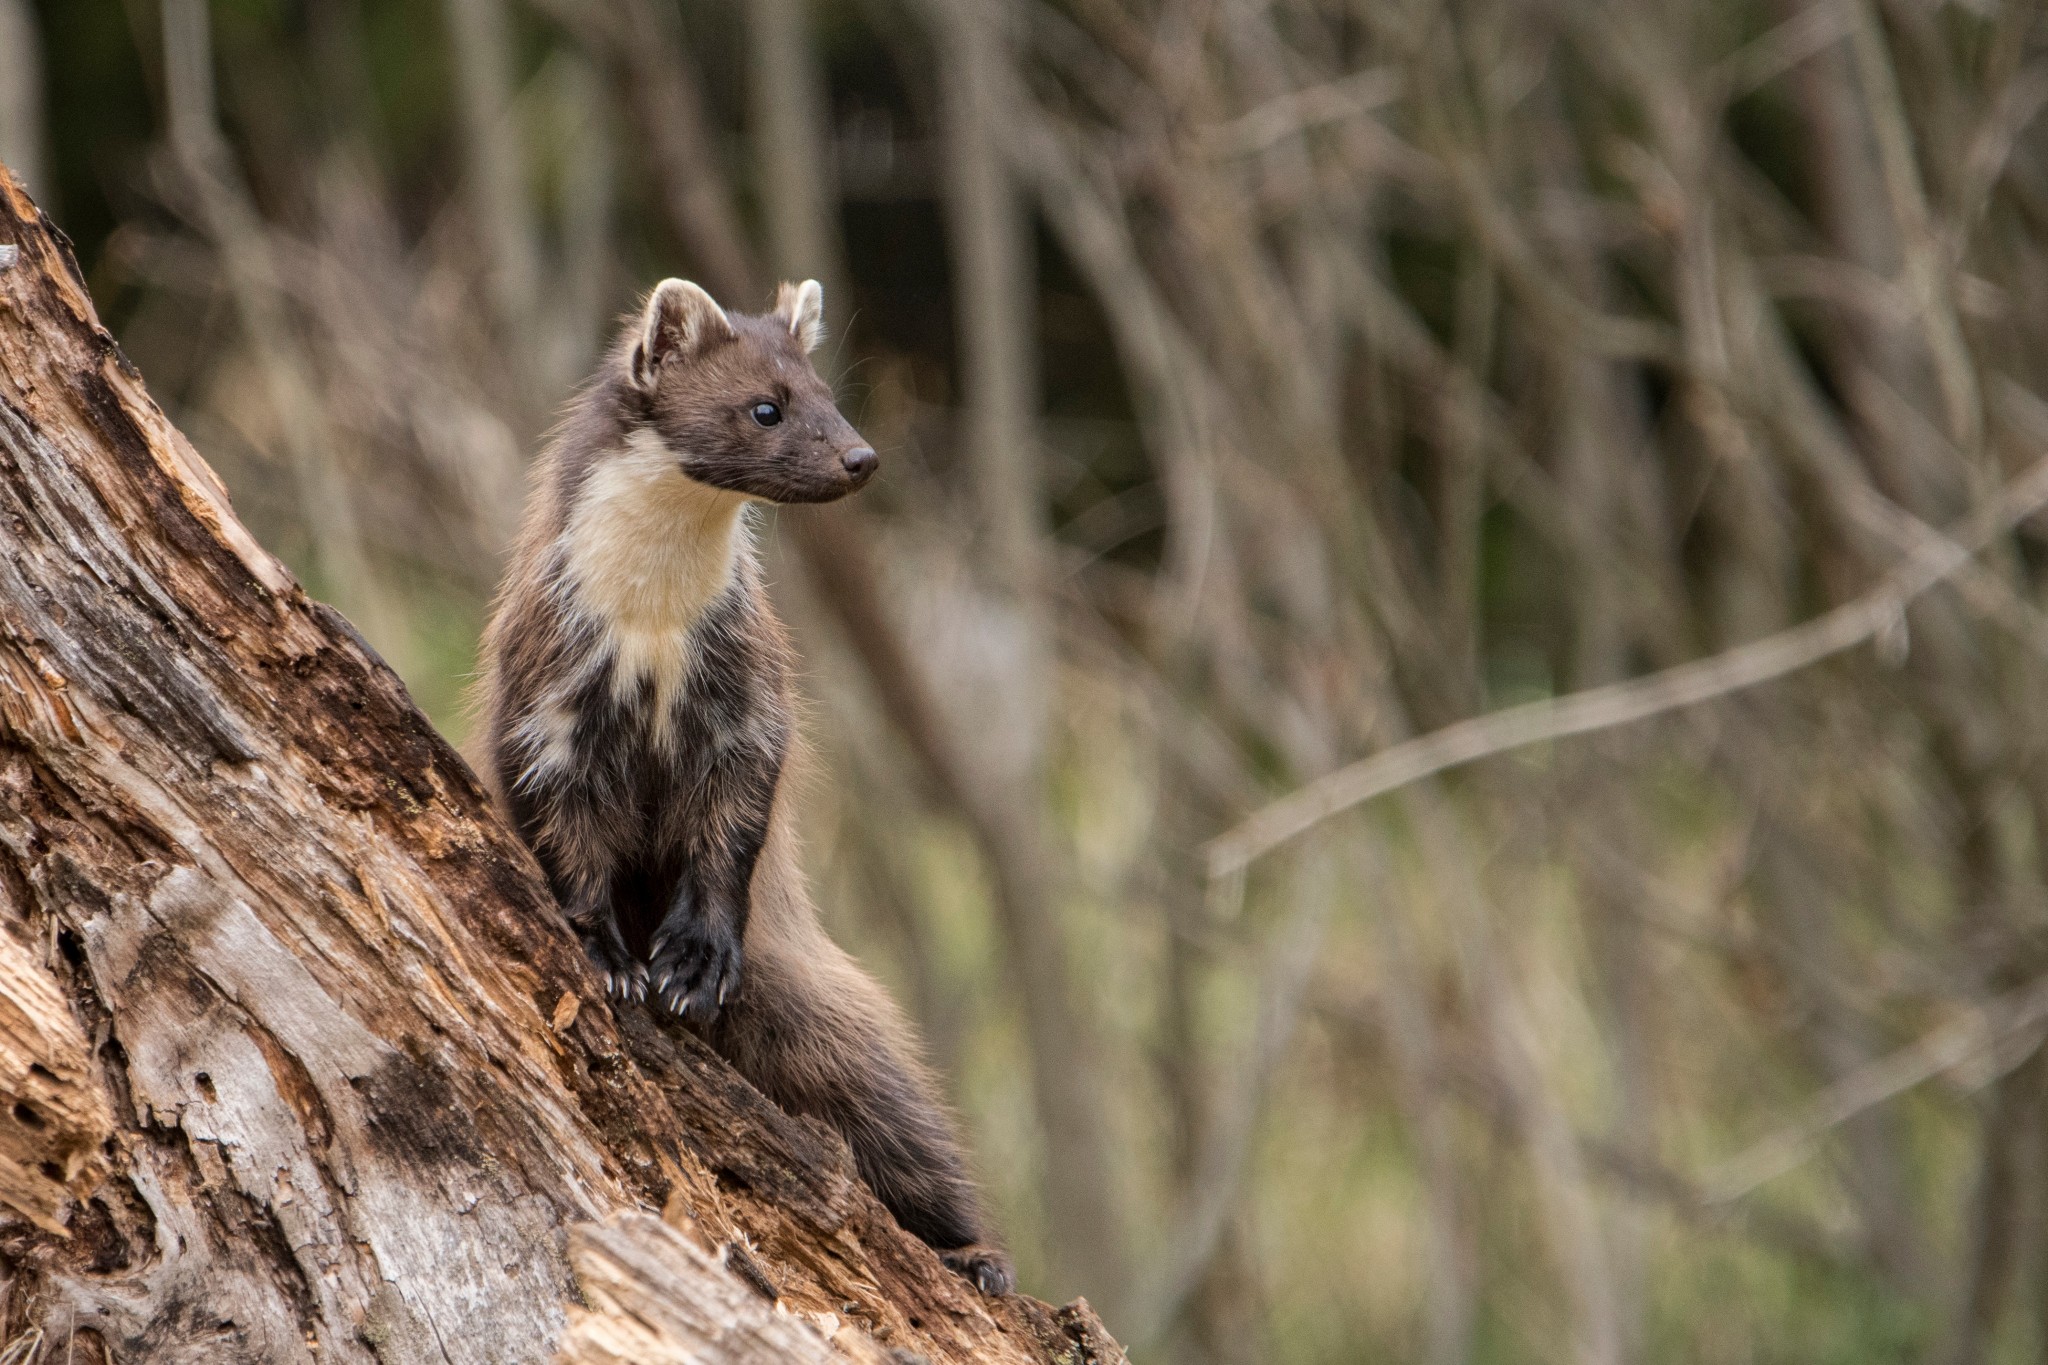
{"points": [[665, 729], [665, 766]]}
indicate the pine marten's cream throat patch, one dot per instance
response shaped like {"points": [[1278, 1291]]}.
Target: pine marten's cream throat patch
{"points": [[648, 549]]}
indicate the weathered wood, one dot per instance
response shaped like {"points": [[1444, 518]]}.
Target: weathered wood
{"points": [[656, 1298], [360, 1081], [54, 1117]]}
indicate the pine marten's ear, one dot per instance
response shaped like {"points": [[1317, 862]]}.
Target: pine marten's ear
{"points": [[802, 308], [680, 320]]}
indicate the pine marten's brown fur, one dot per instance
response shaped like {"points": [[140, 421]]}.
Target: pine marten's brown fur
{"points": [[638, 718]]}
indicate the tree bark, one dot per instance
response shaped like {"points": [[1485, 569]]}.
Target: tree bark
{"points": [[300, 1061]]}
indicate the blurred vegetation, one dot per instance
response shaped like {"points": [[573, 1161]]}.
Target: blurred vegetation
{"points": [[1260, 385]]}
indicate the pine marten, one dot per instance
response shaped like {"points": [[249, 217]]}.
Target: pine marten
{"points": [[637, 720]]}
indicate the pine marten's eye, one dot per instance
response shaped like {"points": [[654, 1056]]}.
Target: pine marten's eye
{"points": [[767, 414]]}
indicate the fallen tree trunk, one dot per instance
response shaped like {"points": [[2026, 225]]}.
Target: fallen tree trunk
{"points": [[301, 1062]]}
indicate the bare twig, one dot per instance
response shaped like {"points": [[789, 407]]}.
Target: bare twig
{"points": [[1893, 1075], [500, 208], [1298, 111], [21, 97], [1603, 708], [249, 266], [639, 39], [1219, 1164]]}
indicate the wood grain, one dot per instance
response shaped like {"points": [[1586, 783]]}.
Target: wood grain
{"points": [[54, 1117]]}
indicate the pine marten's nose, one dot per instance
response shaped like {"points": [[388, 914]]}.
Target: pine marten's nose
{"points": [[860, 461]]}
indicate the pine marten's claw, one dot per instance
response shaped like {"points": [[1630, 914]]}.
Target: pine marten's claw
{"points": [[695, 970], [623, 978], [626, 984], [984, 1267]]}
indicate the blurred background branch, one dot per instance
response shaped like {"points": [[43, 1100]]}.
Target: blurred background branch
{"points": [[21, 96]]}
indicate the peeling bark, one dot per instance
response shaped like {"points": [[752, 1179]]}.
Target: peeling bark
{"points": [[348, 1079]]}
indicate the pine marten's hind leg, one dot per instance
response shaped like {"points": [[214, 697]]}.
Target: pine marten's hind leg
{"points": [[818, 1036]]}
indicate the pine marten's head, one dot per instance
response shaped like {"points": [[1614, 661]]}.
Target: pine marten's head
{"points": [[736, 398]]}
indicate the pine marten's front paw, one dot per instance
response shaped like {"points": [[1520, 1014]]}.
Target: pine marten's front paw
{"points": [[984, 1267], [694, 969], [623, 977]]}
